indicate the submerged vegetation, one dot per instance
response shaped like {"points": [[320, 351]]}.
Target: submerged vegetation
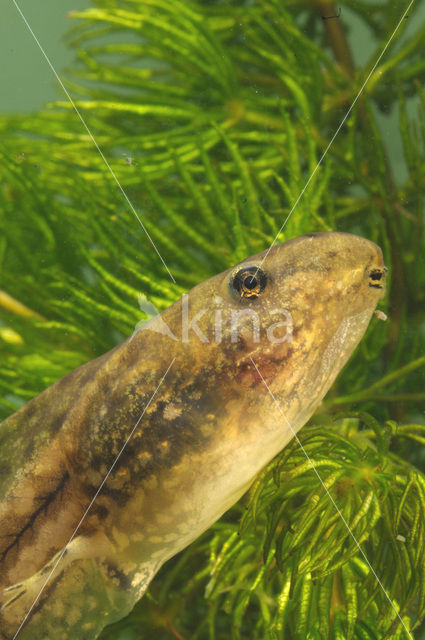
{"points": [[213, 115]]}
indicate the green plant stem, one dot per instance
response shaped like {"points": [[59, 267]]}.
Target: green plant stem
{"points": [[370, 392], [336, 37]]}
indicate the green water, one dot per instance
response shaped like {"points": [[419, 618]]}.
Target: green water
{"points": [[27, 81]]}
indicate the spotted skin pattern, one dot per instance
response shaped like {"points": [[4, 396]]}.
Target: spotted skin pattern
{"points": [[210, 428]]}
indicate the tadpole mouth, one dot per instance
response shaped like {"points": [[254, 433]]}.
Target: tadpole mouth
{"points": [[376, 277]]}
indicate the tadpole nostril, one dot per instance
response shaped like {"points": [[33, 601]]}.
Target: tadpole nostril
{"points": [[376, 274]]}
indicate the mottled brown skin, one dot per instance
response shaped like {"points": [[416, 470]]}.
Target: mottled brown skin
{"points": [[211, 427]]}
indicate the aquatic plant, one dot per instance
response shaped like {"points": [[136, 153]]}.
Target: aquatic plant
{"points": [[213, 115]]}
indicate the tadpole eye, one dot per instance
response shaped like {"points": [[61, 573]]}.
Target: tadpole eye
{"points": [[249, 282]]}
